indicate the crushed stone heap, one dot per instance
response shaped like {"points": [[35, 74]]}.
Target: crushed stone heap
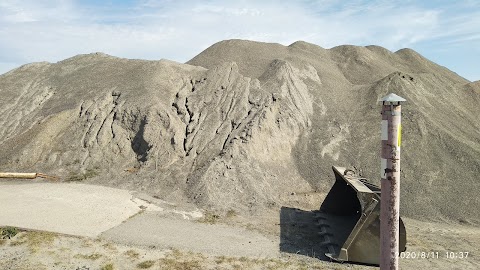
{"points": [[244, 124]]}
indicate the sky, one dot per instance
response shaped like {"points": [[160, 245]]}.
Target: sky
{"points": [[446, 32]]}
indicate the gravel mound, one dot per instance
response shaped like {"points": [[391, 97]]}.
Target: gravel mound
{"points": [[244, 124]]}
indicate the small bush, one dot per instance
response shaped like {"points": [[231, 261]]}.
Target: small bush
{"points": [[8, 232]]}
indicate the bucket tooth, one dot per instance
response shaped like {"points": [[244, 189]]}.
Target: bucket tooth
{"points": [[320, 215], [323, 230], [321, 224], [324, 233], [331, 250], [327, 242]]}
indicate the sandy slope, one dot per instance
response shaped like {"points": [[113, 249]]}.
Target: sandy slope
{"points": [[245, 124], [250, 128]]}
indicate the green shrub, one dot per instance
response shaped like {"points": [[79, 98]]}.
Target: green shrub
{"points": [[8, 232]]}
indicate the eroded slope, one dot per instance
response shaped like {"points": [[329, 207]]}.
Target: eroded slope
{"points": [[245, 124]]}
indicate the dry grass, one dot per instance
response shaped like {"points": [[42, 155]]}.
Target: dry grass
{"points": [[109, 246], [77, 177], [34, 240], [255, 263], [173, 264], [231, 214], [87, 243], [145, 264], [213, 218], [224, 259], [108, 266], [173, 260], [177, 260], [132, 254], [93, 256], [176, 253], [226, 262], [132, 170], [210, 218]]}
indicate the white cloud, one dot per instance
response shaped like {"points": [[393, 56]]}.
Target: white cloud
{"points": [[178, 30], [12, 13]]}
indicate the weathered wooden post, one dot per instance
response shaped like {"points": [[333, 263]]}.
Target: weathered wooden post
{"points": [[390, 181]]}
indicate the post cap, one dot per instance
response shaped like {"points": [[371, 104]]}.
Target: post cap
{"points": [[392, 98]]}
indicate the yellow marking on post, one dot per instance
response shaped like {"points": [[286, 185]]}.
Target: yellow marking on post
{"points": [[399, 130]]}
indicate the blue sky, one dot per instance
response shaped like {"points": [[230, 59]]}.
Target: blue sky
{"points": [[446, 32]]}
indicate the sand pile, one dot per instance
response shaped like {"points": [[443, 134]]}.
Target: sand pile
{"points": [[244, 124]]}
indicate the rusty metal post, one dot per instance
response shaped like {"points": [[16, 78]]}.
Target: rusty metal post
{"points": [[390, 181]]}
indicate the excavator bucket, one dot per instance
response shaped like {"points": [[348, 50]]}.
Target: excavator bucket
{"points": [[349, 220]]}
